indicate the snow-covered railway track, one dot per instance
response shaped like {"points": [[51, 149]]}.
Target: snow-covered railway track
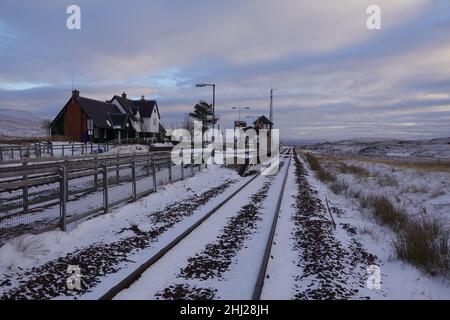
{"points": [[136, 276]]}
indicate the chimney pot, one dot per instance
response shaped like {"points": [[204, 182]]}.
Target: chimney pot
{"points": [[142, 97], [124, 95], [75, 93]]}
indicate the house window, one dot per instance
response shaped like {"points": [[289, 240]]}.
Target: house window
{"points": [[104, 134], [154, 121], [90, 126], [96, 133]]}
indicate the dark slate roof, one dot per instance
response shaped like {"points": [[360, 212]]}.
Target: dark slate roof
{"points": [[124, 103], [145, 107], [162, 130], [264, 120], [98, 111], [118, 120]]}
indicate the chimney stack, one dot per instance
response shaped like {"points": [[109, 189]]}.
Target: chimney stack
{"points": [[142, 97], [75, 93], [124, 95]]}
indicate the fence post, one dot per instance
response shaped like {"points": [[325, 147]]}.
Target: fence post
{"points": [[170, 170], [133, 176], [20, 152], [96, 173], [1, 154], [148, 165], [92, 148], [25, 190], [51, 150], [73, 148], [117, 169], [63, 198], [182, 170], [105, 187], [63, 150], [66, 165], [154, 175], [12, 153]]}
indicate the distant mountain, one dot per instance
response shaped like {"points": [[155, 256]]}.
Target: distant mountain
{"points": [[368, 140], [20, 124], [298, 141], [438, 148], [16, 113]]}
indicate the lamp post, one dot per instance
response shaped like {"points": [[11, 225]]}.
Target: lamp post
{"points": [[239, 109], [271, 104], [202, 85]]}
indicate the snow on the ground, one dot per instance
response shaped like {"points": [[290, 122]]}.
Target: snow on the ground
{"points": [[399, 280], [282, 268], [81, 202], [131, 148], [419, 149], [236, 283], [60, 149], [418, 190], [104, 228], [162, 144], [19, 124]]}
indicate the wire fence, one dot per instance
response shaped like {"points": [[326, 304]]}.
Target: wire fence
{"points": [[40, 150], [41, 197]]}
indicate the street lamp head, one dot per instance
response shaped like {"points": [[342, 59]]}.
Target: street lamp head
{"points": [[201, 85]]}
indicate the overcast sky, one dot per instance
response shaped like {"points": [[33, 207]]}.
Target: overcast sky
{"points": [[334, 77]]}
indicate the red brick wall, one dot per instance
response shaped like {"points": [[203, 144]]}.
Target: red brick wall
{"points": [[74, 121]]}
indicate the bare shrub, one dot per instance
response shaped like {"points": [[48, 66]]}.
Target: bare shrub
{"points": [[313, 162], [387, 181], [367, 230], [338, 187], [350, 169], [416, 189], [322, 174], [425, 244], [29, 245], [387, 214]]}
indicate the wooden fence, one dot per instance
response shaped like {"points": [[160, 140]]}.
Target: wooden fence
{"points": [[39, 197]]}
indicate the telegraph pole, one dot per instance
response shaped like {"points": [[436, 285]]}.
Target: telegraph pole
{"points": [[271, 105]]}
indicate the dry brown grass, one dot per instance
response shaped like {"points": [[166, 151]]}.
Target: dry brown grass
{"points": [[421, 165], [387, 181], [425, 244], [339, 187], [322, 174], [351, 169], [388, 214]]}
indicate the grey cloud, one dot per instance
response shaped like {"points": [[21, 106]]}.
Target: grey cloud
{"points": [[335, 78]]}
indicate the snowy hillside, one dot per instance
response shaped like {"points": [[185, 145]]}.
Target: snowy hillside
{"points": [[19, 124], [419, 149]]}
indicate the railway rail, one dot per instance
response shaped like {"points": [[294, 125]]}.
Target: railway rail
{"points": [[135, 275]]}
